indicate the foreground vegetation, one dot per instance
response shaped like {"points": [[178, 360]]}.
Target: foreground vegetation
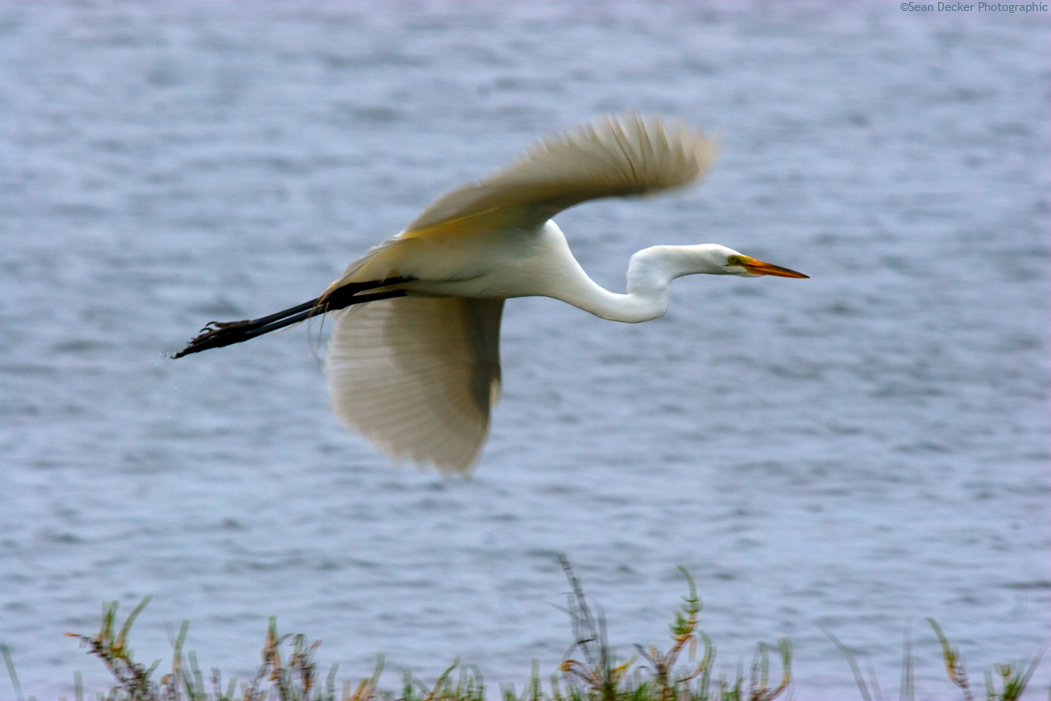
{"points": [[590, 670]]}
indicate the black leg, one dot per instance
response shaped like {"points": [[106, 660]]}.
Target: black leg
{"points": [[217, 334]]}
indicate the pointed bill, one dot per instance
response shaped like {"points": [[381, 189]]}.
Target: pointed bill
{"points": [[758, 267]]}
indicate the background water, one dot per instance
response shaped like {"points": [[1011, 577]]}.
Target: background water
{"points": [[858, 450]]}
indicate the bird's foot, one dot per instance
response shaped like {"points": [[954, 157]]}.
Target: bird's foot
{"points": [[214, 335]]}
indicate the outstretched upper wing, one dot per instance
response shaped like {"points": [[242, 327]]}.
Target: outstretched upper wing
{"points": [[615, 156], [612, 157]]}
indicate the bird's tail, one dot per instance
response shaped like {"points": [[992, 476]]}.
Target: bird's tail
{"points": [[217, 334]]}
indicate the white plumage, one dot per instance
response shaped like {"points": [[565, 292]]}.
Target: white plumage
{"points": [[414, 361]]}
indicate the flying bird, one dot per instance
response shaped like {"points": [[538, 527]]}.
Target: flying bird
{"points": [[414, 363]]}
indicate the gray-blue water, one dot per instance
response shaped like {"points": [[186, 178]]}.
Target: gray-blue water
{"points": [[859, 450]]}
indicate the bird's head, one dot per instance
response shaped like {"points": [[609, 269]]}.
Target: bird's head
{"points": [[652, 269]]}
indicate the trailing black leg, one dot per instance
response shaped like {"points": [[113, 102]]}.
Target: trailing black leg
{"points": [[217, 334]]}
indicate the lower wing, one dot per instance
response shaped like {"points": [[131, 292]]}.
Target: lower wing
{"points": [[418, 376]]}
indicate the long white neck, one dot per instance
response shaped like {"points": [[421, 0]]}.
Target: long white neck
{"points": [[650, 273]]}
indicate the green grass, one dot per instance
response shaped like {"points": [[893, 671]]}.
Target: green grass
{"points": [[590, 670]]}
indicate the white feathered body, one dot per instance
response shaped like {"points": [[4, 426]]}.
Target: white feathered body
{"points": [[419, 375]]}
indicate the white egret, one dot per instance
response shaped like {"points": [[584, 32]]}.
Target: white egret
{"points": [[414, 363]]}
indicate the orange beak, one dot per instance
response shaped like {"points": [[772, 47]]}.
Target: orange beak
{"points": [[758, 267]]}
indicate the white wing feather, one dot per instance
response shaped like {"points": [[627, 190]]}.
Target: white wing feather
{"points": [[418, 376], [612, 157]]}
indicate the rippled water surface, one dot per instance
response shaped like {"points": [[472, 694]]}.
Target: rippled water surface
{"points": [[858, 450]]}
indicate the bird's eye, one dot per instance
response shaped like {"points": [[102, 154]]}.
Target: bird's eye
{"points": [[733, 260]]}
